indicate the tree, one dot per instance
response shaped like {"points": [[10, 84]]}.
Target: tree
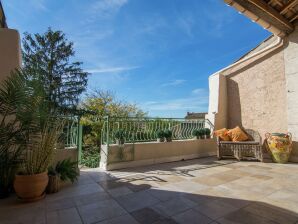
{"points": [[47, 57], [104, 103]]}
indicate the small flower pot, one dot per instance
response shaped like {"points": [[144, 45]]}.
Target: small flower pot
{"points": [[207, 136], [54, 184], [31, 187], [196, 137], [201, 137], [160, 139]]}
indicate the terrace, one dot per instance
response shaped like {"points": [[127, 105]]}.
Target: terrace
{"points": [[194, 191], [142, 179]]}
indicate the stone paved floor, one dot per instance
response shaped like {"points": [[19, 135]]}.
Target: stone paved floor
{"points": [[193, 191]]}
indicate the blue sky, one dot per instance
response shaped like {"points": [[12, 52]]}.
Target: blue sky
{"points": [[155, 53]]}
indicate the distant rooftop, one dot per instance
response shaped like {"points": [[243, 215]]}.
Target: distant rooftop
{"points": [[194, 115]]}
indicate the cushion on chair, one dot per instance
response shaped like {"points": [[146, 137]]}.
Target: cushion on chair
{"points": [[237, 135], [222, 134]]}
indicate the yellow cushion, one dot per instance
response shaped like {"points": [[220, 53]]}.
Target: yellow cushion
{"points": [[222, 134], [237, 135]]}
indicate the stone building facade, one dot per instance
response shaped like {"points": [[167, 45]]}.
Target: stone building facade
{"points": [[260, 91]]}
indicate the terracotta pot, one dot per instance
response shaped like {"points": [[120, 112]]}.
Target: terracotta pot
{"points": [[54, 184], [280, 146], [31, 187]]}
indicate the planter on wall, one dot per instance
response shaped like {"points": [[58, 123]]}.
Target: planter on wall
{"points": [[280, 146], [31, 187]]}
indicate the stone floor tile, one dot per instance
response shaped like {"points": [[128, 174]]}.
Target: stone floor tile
{"points": [[233, 192], [111, 184], [243, 217], [189, 186], [209, 181], [174, 206], [69, 215], [135, 201], [119, 191], [164, 195], [191, 217], [147, 216], [215, 209], [272, 213], [91, 198], [60, 204], [199, 199], [166, 221], [123, 219], [100, 211]]}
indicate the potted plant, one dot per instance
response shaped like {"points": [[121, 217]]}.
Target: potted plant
{"points": [[168, 135], [120, 137], [160, 136], [207, 132], [201, 133], [196, 133], [30, 184], [63, 171], [17, 108]]}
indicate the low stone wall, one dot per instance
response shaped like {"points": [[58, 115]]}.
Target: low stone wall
{"points": [[148, 153]]}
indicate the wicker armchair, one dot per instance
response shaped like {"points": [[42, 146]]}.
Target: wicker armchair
{"points": [[247, 150]]}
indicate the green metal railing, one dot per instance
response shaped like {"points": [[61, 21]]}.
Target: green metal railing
{"points": [[144, 129], [73, 134]]}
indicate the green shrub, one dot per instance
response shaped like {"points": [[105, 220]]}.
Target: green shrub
{"points": [[119, 134], [196, 132], [90, 157], [201, 132], [66, 169], [160, 134], [207, 131], [168, 133]]}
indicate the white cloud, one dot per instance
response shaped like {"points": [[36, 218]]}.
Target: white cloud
{"points": [[199, 91], [107, 8], [186, 23], [182, 104], [38, 4], [174, 82], [111, 69]]}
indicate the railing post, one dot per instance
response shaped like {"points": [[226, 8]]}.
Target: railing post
{"points": [[80, 140]]}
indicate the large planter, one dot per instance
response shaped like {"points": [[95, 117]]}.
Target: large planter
{"points": [[280, 145], [31, 187]]}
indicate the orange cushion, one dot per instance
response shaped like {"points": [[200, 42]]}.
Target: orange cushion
{"points": [[237, 135], [222, 134]]}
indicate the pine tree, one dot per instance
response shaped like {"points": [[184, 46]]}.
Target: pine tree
{"points": [[47, 57]]}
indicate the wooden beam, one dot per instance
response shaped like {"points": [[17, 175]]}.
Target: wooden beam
{"points": [[290, 5], [265, 12], [272, 12], [294, 18]]}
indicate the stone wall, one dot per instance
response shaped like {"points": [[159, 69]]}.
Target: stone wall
{"points": [[10, 51], [148, 153], [291, 71], [257, 95]]}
